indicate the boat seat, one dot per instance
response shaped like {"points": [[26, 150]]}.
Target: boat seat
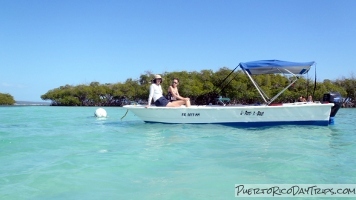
{"points": [[222, 100]]}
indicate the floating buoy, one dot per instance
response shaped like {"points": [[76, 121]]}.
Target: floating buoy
{"points": [[100, 112]]}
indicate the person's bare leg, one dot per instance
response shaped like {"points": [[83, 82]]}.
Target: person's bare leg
{"points": [[187, 102], [176, 103]]}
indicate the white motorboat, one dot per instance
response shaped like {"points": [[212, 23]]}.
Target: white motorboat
{"points": [[267, 114]]}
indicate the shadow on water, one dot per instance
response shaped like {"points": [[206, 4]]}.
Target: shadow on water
{"points": [[141, 124], [340, 139]]}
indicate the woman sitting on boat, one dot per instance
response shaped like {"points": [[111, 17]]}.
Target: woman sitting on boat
{"points": [[157, 95], [173, 93]]}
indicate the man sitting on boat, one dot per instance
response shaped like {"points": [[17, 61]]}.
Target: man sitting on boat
{"points": [[157, 95], [302, 99]]}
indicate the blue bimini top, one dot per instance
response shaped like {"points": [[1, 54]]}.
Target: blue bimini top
{"points": [[276, 67]]}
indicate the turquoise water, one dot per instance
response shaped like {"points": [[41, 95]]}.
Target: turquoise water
{"points": [[66, 153]]}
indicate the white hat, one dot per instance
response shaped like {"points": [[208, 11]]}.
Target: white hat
{"points": [[157, 76]]}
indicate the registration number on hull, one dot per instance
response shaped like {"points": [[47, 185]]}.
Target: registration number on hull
{"points": [[190, 114]]}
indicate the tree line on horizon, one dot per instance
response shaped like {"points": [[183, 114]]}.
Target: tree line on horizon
{"points": [[201, 87]]}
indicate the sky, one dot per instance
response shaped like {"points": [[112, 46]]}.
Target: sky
{"points": [[47, 44]]}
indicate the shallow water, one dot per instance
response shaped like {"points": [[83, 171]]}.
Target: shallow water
{"points": [[66, 153]]}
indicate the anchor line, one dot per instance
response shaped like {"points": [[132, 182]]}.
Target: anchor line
{"points": [[125, 114]]}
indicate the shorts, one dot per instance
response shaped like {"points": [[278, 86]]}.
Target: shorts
{"points": [[162, 101]]}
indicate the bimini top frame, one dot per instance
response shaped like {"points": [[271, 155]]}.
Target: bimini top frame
{"points": [[296, 69]]}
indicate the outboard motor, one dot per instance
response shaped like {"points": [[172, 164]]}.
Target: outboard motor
{"points": [[333, 97]]}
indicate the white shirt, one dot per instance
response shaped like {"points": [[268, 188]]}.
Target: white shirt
{"points": [[155, 93]]}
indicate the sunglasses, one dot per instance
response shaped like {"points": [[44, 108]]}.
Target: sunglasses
{"points": [[175, 82]]}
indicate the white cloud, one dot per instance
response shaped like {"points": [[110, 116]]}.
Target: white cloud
{"points": [[9, 85]]}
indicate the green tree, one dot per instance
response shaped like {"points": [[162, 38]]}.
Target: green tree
{"points": [[6, 99], [349, 84]]}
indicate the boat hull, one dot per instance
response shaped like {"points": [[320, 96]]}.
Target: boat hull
{"points": [[283, 114]]}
